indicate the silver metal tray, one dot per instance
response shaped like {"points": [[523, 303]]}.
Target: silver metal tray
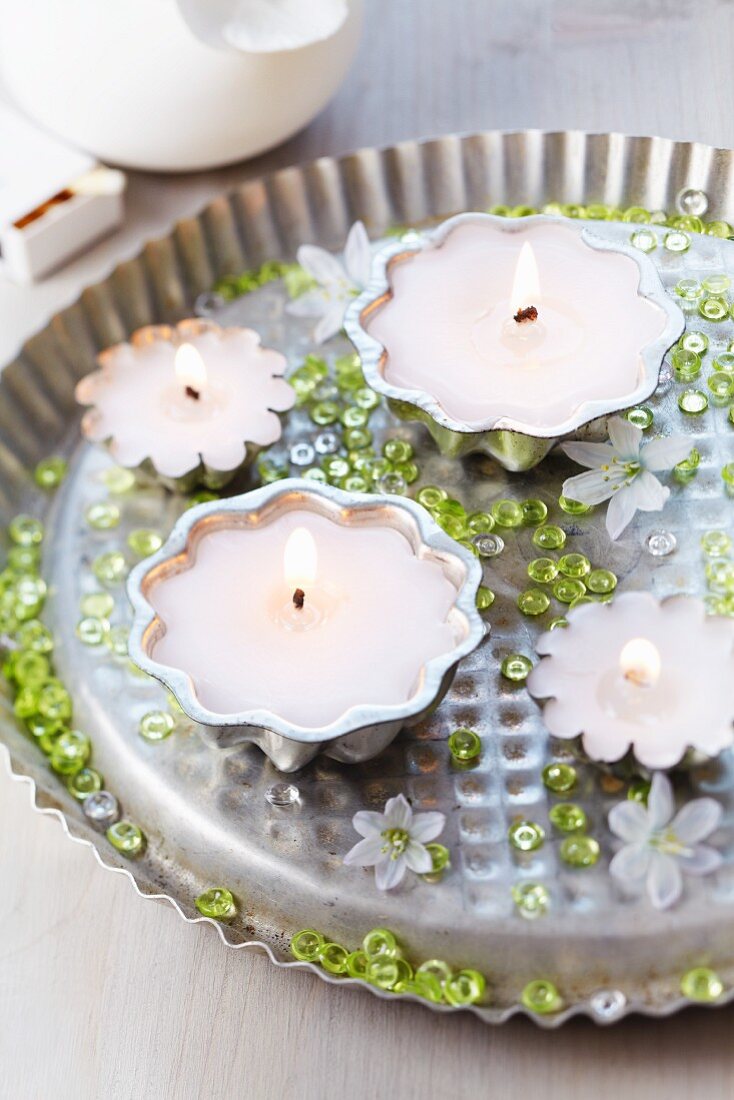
{"points": [[203, 809]]}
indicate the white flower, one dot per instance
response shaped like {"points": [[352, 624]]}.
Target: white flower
{"points": [[621, 472], [394, 841], [338, 282], [660, 847], [263, 26]]}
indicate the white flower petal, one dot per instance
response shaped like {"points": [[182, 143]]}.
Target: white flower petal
{"points": [[365, 853], [665, 453], [389, 872], [697, 820], [590, 488], [398, 813], [701, 860], [625, 438], [428, 826], [629, 821], [592, 455], [649, 494], [331, 322], [418, 858], [664, 880], [621, 510], [321, 265], [358, 256], [368, 823], [660, 802], [631, 863]]}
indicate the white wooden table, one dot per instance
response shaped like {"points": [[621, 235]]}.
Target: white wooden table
{"points": [[103, 995]]}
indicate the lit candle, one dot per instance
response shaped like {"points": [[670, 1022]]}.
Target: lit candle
{"points": [[196, 402], [530, 325], [300, 561], [639, 662]]}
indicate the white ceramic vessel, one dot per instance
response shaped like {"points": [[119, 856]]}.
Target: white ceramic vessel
{"points": [[129, 82]]}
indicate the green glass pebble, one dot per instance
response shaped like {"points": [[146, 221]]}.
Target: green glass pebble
{"points": [[531, 899], [701, 984], [574, 565], [103, 515], [727, 475], [465, 987], [84, 782], [638, 790], [366, 398], [24, 559], [355, 417], [716, 284], [25, 530], [50, 472], [579, 851], [430, 496], [36, 636], [676, 241], [379, 941], [507, 513], [269, 470], [534, 601], [526, 836], [357, 965], [440, 857], [306, 945], [43, 727], [716, 544], [91, 631], [690, 290], [383, 972], [379, 467], [534, 512], [568, 589], [437, 968], [543, 570], [549, 537], [686, 469], [397, 450], [450, 507], [355, 483], [408, 471], [429, 987], [314, 473], [686, 364], [116, 640], [97, 605], [156, 725], [644, 239], [724, 362], [485, 597], [464, 744], [206, 496], [324, 412], [356, 439], [721, 385], [30, 669], [516, 667], [693, 402], [479, 523], [333, 958], [217, 903], [541, 997], [126, 838], [574, 507], [568, 817], [637, 214], [46, 743], [695, 341], [731, 415], [719, 229], [713, 309], [642, 417], [118, 480], [54, 701], [601, 581], [110, 567], [452, 525], [559, 778], [143, 542], [70, 753]]}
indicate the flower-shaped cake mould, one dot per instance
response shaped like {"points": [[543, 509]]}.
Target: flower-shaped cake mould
{"points": [[514, 440], [362, 730]]}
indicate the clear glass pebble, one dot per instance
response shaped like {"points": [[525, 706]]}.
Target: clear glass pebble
{"points": [[676, 241], [327, 443], [489, 545], [101, 807], [660, 543], [208, 304], [393, 482], [302, 453], [644, 239], [608, 1004], [531, 899], [282, 794], [692, 201]]}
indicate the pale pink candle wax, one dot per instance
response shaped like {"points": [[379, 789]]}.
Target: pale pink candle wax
{"points": [[448, 329], [372, 617]]}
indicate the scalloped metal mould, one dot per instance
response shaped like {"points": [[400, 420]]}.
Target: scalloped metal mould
{"points": [[192, 801], [365, 730], [514, 444]]}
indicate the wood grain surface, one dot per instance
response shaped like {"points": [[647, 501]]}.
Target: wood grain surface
{"points": [[103, 995]]}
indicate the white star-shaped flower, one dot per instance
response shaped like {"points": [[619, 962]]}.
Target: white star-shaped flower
{"points": [[622, 471], [660, 845], [394, 841], [338, 281]]}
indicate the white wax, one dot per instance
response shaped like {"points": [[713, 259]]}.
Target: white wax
{"points": [[371, 620], [448, 328], [141, 406]]}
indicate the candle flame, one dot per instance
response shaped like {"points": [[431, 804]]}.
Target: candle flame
{"points": [[526, 284], [640, 662], [190, 367], [300, 559]]}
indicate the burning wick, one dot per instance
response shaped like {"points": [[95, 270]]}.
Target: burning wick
{"points": [[640, 663], [195, 395], [190, 371], [299, 597], [525, 287]]}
